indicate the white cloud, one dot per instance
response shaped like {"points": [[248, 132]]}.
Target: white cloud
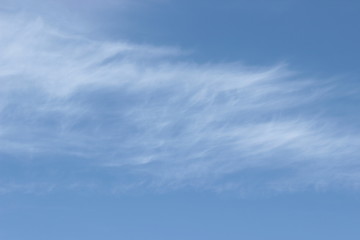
{"points": [[173, 122]]}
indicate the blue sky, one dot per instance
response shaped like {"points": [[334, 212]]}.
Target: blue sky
{"points": [[166, 119]]}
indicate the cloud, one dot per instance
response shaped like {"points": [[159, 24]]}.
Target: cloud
{"points": [[122, 109]]}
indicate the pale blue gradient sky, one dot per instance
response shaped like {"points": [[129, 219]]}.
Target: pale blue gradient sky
{"points": [[179, 119]]}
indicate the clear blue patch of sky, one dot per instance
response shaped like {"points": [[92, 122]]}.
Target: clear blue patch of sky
{"points": [[319, 36], [179, 216]]}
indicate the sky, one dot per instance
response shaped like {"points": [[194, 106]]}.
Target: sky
{"points": [[169, 119]]}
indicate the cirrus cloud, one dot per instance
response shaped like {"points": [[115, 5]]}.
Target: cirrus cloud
{"points": [[166, 121]]}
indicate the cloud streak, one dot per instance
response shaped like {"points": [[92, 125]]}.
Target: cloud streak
{"points": [[165, 121]]}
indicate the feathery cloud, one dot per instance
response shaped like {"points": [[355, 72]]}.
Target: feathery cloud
{"points": [[166, 121]]}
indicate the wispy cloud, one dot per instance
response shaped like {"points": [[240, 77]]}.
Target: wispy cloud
{"points": [[166, 121]]}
